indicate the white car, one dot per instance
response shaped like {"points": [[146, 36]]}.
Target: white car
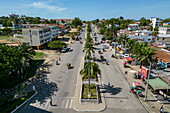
{"points": [[125, 55]]}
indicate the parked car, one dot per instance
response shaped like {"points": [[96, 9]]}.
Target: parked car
{"points": [[125, 55], [66, 50], [164, 101]]}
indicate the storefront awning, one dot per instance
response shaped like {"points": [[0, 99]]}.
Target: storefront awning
{"points": [[128, 59], [158, 84]]}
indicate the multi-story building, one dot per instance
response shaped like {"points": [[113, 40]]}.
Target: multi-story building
{"points": [[65, 20], [38, 36], [164, 35], [156, 22], [164, 29], [133, 27]]}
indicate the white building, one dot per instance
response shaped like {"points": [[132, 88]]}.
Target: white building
{"points": [[155, 22], [164, 29], [143, 35], [38, 36], [133, 27], [164, 35]]}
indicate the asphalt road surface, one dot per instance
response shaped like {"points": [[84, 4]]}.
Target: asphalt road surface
{"points": [[56, 89]]}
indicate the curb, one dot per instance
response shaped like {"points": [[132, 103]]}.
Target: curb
{"points": [[17, 107], [121, 70], [77, 94]]}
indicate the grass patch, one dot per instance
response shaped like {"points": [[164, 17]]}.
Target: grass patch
{"points": [[8, 106], [70, 34], [4, 37], [39, 55], [93, 91]]}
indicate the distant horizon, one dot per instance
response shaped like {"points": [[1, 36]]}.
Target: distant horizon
{"points": [[86, 10]]}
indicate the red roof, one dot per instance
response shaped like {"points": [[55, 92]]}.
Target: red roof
{"points": [[128, 59], [63, 19]]}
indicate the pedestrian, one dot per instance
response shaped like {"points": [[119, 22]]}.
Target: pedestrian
{"points": [[161, 109], [108, 83], [51, 102], [57, 62], [59, 58]]}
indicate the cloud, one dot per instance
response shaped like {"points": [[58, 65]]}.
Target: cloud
{"points": [[44, 5]]}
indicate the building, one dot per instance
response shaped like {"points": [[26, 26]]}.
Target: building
{"points": [[156, 22], [166, 23], [164, 29], [38, 36], [164, 35], [13, 15], [147, 39], [65, 20], [133, 27]]}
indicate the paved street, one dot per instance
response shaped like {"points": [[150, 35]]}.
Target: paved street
{"points": [[117, 95], [61, 77]]}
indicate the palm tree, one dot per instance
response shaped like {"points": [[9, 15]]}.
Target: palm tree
{"points": [[146, 56], [123, 39], [94, 70], [130, 44], [89, 48]]}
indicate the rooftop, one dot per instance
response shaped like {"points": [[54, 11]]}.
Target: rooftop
{"points": [[157, 84], [162, 55], [63, 19], [166, 26]]}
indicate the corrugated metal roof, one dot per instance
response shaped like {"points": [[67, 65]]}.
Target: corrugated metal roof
{"points": [[158, 84]]}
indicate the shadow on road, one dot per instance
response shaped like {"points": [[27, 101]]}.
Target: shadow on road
{"points": [[35, 110], [44, 88], [110, 89]]}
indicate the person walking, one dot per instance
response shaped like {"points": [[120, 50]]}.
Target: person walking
{"points": [[161, 109], [56, 62], [51, 102]]}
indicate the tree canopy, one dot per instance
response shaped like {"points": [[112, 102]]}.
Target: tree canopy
{"points": [[76, 22], [57, 45]]}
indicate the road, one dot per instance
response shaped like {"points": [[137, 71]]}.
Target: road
{"points": [[61, 77], [117, 95]]}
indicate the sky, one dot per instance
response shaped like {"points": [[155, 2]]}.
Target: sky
{"points": [[87, 9]]}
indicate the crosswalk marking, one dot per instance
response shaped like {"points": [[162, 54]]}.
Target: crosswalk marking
{"points": [[66, 103], [71, 103]]}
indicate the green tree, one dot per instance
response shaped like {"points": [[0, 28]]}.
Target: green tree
{"points": [[94, 70], [57, 45], [76, 22], [123, 39]]}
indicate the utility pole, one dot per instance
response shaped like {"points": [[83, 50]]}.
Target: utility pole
{"points": [[168, 86], [146, 89]]}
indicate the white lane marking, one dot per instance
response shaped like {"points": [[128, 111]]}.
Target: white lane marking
{"points": [[125, 83], [67, 103], [71, 103]]}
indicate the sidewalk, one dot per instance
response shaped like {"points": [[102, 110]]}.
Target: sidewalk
{"points": [[152, 106]]}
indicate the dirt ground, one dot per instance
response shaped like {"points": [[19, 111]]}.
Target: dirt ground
{"points": [[51, 55]]}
